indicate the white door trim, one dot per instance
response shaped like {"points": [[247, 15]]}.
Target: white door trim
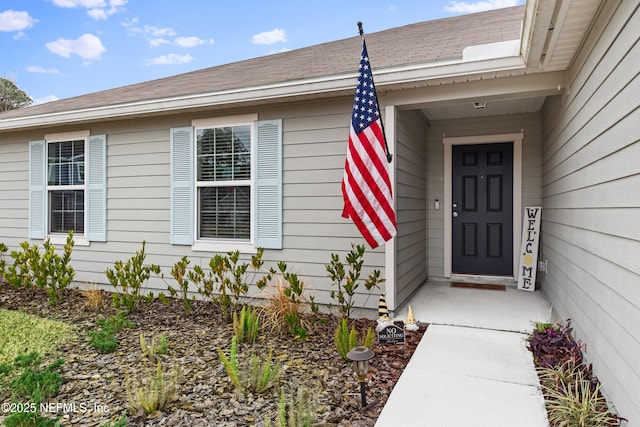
{"points": [[448, 142]]}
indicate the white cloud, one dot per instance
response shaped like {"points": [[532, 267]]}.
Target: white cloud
{"points": [[157, 42], [79, 3], [98, 9], [270, 37], [282, 49], [479, 6], [98, 14], [14, 20], [188, 41], [171, 59], [87, 46], [42, 70], [48, 98]]}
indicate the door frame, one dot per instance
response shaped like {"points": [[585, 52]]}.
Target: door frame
{"points": [[448, 142]]}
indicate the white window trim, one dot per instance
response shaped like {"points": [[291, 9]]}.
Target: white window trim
{"points": [[222, 245], [58, 238]]}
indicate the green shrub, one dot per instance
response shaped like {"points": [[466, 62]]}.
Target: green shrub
{"points": [[3, 262], [30, 384], [129, 278], [346, 339], [296, 413], [231, 365], [104, 339], [157, 345], [573, 398], [47, 270], [180, 275], [337, 273], [153, 393], [227, 281], [246, 325], [258, 375], [263, 373]]}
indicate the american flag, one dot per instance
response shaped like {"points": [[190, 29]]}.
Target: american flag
{"points": [[366, 188]]}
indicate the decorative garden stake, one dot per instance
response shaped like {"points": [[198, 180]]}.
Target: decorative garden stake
{"points": [[383, 314], [360, 357]]}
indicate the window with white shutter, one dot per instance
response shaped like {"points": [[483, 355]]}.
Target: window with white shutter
{"points": [[67, 187], [226, 184]]}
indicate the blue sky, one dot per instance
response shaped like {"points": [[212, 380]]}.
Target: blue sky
{"points": [[54, 49]]}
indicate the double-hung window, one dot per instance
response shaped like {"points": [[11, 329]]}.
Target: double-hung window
{"points": [[67, 187], [223, 181], [226, 185]]}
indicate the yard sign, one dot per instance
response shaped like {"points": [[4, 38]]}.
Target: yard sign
{"points": [[529, 250]]}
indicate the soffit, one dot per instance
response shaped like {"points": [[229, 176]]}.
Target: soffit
{"points": [[570, 22]]}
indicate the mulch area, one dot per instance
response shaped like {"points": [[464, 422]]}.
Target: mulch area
{"points": [[97, 382]]}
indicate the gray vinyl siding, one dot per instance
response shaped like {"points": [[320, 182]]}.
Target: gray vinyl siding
{"points": [[591, 203], [14, 190], [138, 195], [531, 168], [411, 203]]}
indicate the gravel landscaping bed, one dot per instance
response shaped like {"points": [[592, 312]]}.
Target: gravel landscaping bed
{"points": [[94, 390]]}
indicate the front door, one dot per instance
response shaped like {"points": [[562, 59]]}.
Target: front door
{"points": [[482, 223]]}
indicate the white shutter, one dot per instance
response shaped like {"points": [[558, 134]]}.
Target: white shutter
{"points": [[96, 188], [268, 193], [37, 190], [182, 183]]}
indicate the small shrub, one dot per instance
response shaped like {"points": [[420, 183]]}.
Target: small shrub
{"points": [[263, 373], [180, 275], [157, 345], [3, 262], [257, 376], [346, 339], [47, 270], [154, 392], [227, 281], [31, 386], [297, 412], [231, 365], [246, 325], [337, 273], [573, 398], [129, 278], [552, 345], [104, 339]]}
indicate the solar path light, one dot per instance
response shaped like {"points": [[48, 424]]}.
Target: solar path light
{"points": [[360, 357]]}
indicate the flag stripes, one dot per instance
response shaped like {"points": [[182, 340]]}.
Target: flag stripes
{"points": [[366, 186]]}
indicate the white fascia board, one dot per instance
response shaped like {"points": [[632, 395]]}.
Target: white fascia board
{"points": [[320, 85]]}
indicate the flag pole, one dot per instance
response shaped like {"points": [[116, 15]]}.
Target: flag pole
{"points": [[384, 135]]}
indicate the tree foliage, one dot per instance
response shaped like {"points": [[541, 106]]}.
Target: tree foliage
{"points": [[11, 96]]}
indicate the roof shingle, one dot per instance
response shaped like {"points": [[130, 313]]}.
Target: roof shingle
{"points": [[423, 42]]}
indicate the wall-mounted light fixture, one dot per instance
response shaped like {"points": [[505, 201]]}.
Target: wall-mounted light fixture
{"points": [[480, 105]]}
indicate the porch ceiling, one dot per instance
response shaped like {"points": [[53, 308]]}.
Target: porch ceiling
{"points": [[493, 107]]}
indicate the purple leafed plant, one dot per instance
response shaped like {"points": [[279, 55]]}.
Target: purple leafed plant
{"points": [[553, 345]]}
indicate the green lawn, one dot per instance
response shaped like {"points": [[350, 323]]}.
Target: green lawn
{"points": [[24, 333]]}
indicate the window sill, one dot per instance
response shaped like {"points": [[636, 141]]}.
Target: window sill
{"points": [[62, 239], [227, 246]]}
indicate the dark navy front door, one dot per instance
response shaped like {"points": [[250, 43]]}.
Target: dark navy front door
{"points": [[482, 193]]}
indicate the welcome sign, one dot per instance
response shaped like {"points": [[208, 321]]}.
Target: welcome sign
{"points": [[529, 249]]}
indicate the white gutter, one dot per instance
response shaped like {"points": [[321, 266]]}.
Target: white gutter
{"points": [[384, 77]]}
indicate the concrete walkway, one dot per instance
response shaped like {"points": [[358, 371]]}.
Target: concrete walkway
{"points": [[472, 367]]}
